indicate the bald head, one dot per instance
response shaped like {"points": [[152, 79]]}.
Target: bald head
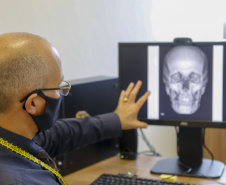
{"points": [[26, 62]]}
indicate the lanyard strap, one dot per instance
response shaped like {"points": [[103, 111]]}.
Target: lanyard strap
{"points": [[31, 158]]}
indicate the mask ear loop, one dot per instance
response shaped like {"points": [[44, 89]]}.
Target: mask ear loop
{"points": [[26, 97], [48, 118], [25, 100], [33, 105]]}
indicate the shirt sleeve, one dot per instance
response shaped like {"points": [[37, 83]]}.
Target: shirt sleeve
{"points": [[73, 133]]}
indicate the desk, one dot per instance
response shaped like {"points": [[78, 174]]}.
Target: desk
{"points": [[141, 165]]}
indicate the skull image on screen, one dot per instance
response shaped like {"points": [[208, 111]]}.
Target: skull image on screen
{"points": [[185, 75]]}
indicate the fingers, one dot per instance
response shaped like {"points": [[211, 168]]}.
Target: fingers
{"points": [[128, 107], [131, 94], [134, 92], [128, 90], [121, 97], [137, 124], [131, 91], [140, 102], [143, 125]]}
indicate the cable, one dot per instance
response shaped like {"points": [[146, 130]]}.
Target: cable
{"points": [[208, 150], [151, 148], [204, 145], [189, 169], [212, 157], [177, 134]]}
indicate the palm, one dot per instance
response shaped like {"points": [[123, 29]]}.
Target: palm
{"points": [[128, 110]]}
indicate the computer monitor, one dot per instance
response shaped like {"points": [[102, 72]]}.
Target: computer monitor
{"points": [[187, 85]]}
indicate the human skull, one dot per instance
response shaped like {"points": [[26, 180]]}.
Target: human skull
{"points": [[185, 75]]}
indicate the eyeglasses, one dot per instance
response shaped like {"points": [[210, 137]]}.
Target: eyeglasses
{"points": [[64, 90]]}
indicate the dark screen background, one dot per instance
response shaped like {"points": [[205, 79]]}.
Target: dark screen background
{"points": [[133, 67]]}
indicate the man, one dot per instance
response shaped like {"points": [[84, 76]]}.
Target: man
{"points": [[31, 88]]}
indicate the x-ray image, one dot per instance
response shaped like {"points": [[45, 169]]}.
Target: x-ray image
{"points": [[185, 76], [185, 82]]}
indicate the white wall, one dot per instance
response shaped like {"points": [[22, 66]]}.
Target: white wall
{"points": [[87, 32], [201, 20]]}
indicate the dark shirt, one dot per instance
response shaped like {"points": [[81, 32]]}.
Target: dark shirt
{"points": [[64, 136]]}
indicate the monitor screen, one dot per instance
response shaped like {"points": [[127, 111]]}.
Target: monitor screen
{"points": [[186, 81]]}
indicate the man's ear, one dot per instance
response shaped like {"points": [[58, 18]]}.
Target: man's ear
{"points": [[35, 104]]}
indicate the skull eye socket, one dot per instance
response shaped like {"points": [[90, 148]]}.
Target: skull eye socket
{"points": [[195, 78], [176, 78]]}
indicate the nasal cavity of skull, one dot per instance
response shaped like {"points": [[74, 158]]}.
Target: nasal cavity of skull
{"points": [[185, 85], [178, 78]]}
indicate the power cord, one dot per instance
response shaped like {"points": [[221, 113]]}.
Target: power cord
{"points": [[204, 145], [212, 157], [203, 142], [151, 150], [208, 150]]}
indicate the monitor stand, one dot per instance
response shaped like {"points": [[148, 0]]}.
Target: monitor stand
{"points": [[190, 160]]}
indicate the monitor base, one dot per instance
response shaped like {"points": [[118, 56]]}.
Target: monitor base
{"points": [[208, 168]]}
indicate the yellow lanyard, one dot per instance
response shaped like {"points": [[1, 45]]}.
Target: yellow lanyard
{"points": [[31, 158]]}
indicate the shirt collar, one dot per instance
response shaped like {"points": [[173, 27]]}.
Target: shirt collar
{"points": [[22, 142]]}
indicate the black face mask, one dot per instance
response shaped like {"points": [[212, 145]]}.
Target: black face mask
{"points": [[49, 117]]}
